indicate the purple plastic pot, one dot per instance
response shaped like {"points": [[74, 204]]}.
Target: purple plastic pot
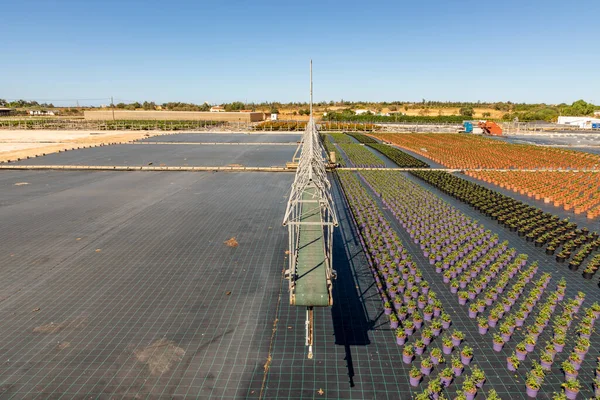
{"points": [[465, 360], [457, 370], [532, 392], [510, 366], [480, 383], [571, 394], [426, 371], [546, 365], [469, 395], [445, 324], [447, 349], [419, 350], [482, 330], [446, 381], [407, 359], [415, 381], [461, 301], [498, 346], [569, 376], [400, 340], [521, 355], [529, 347], [472, 314]]}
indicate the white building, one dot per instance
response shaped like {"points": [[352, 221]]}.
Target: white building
{"points": [[217, 109], [41, 112], [360, 112], [581, 122]]}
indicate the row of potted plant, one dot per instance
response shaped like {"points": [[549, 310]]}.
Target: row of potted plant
{"points": [[436, 357], [433, 223], [361, 206], [472, 151], [507, 301], [517, 318], [406, 296], [575, 191], [498, 285], [572, 364], [359, 156], [469, 388], [591, 267], [530, 222], [533, 332], [399, 157]]}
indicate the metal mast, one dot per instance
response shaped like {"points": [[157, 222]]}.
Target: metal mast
{"points": [[310, 218]]}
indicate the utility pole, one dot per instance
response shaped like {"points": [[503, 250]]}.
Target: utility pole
{"points": [[112, 105]]}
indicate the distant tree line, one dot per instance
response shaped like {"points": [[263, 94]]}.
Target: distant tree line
{"points": [[550, 113], [24, 104], [522, 111], [349, 116]]}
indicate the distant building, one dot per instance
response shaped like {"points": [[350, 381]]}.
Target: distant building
{"points": [[41, 113], [5, 111], [106, 115], [217, 109], [274, 117], [581, 122], [597, 113], [360, 112]]}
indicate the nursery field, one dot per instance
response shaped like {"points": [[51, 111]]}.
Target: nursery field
{"points": [[170, 284], [576, 191], [471, 151], [509, 315], [262, 155], [287, 138]]}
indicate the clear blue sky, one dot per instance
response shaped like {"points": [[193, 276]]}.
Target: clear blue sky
{"points": [[220, 51]]}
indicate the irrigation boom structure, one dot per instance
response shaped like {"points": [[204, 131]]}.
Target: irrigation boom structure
{"points": [[310, 218]]}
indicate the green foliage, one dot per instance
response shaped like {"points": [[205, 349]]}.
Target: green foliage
{"points": [[467, 111], [349, 116], [363, 138], [399, 157], [235, 106]]}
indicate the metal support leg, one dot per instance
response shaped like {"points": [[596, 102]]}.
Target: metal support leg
{"points": [[309, 331]]}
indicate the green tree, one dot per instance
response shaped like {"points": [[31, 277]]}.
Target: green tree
{"points": [[149, 105], [581, 107], [235, 106], [467, 112]]}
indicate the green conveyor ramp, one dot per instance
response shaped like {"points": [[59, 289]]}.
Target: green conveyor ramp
{"points": [[311, 280]]}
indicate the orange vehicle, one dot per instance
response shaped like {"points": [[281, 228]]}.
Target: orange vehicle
{"points": [[490, 128]]}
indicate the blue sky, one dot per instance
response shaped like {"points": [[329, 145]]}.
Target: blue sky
{"points": [[220, 51]]}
